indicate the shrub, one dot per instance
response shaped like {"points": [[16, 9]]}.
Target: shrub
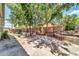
{"points": [[4, 35], [70, 27]]}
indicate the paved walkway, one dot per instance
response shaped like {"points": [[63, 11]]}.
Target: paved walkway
{"points": [[11, 48]]}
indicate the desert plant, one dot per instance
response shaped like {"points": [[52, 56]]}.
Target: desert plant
{"points": [[4, 35]]}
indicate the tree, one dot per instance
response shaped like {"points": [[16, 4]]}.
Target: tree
{"points": [[34, 15], [70, 21], [16, 16]]}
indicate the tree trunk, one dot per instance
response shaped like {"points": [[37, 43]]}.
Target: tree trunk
{"points": [[29, 30], [1, 19], [46, 16], [42, 30]]}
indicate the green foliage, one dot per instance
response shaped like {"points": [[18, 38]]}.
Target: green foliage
{"points": [[4, 35], [70, 27], [33, 15], [70, 22]]}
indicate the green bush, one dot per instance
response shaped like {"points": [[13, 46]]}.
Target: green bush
{"points": [[70, 27], [4, 35]]}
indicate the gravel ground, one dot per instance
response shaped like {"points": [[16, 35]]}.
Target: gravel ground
{"points": [[41, 46], [31, 50], [44, 49]]}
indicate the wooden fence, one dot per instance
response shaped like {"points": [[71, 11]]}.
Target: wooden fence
{"points": [[40, 30]]}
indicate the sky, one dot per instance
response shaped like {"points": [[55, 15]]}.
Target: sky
{"points": [[72, 10], [7, 13]]}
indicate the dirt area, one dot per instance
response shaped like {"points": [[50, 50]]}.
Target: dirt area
{"points": [[73, 39], [31, 50], [10, 47], [72, 49], [42, 46]]}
